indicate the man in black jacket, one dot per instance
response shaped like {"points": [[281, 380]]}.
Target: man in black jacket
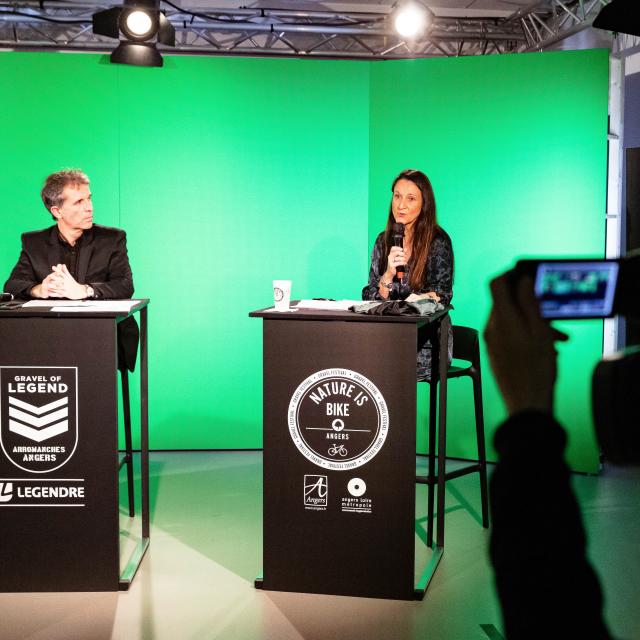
{"points": [[546, 585], [74, 259]]}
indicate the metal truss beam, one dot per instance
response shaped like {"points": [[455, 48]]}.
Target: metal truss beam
{"points": [[546, 22], [66, 25]]}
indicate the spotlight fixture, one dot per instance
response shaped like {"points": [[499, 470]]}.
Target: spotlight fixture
{"points": [[619, 16], [139, 25], [411, 18]]}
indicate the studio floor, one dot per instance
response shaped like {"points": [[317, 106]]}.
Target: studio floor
{"points": [[196, 580]]}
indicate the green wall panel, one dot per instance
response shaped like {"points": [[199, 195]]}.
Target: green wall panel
{"points": [[233, 173], [56, 111], [227, 173], [516, 149]]}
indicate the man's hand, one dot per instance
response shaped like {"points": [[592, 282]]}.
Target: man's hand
{"points": [[65, 286], [44, 289], [521, 347]]}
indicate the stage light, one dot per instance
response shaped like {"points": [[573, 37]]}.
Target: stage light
{"points": [[619, 16], [411, 18], [142, 25], [136, 24]]}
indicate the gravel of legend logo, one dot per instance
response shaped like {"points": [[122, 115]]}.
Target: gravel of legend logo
{"points": [[38, 416], [338, 419]]}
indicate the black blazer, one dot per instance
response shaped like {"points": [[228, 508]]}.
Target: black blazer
{"points": [[103, 264]]}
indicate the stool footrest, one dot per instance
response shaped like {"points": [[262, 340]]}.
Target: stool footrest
{"points": [[472, 468], [450, 475], [124, 460]]}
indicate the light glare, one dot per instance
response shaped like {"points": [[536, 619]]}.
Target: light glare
{"points": [[139, 23], [410, 20]]}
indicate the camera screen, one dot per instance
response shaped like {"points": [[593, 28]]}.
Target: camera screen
{"points": [[576, 289]]}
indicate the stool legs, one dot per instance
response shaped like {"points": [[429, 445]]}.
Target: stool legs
{"points": [[128, 459], [442, 476], [443, 367], [433, 391], [482, 456]]}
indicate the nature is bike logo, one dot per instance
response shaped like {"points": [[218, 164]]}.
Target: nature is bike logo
{"points": [[38, 416], [338, 419]]}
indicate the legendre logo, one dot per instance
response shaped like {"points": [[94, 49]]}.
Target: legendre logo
{"points": [[338, 419], [42, 493], [38, 416]]}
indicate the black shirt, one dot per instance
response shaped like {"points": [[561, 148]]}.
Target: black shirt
{"points": [[70, 253]]}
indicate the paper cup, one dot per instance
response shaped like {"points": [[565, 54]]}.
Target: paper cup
{"points": [[281, 294]]}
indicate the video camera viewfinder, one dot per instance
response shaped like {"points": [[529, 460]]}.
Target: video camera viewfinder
{"points": [[578, 288]]}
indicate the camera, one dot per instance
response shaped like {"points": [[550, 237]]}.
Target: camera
{"points": [[578, 288]]}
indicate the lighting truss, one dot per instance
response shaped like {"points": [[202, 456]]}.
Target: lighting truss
{"points": [[66, 25], [546, 23]]}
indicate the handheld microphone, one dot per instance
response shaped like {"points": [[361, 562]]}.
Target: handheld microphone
{"points": [[6, 297], [398, 241]]}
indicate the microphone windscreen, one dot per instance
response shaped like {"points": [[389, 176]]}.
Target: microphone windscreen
{"points": [[398, 229]]}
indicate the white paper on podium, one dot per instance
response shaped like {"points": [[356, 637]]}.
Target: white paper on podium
{"points": [[86, 306], [328, 305]]}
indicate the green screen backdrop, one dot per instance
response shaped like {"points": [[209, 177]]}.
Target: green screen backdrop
{"points": [[227, 173], [515, 147]]}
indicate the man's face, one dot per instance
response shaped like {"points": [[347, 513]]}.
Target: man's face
{"points": [[76, 210]]}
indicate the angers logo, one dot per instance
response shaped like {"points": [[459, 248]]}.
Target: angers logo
{"points": [[316, 492], [38, 416]]}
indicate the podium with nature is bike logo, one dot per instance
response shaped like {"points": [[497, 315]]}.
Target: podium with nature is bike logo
{"points": [[339, 424]]}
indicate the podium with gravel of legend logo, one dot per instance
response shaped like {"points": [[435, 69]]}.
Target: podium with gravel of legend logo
{"points": [[339, 424], [59, 449]]}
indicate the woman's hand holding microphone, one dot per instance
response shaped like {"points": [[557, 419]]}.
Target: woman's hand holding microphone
{"points": [[397, 258]]}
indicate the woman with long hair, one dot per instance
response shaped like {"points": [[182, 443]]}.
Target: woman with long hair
{"points": [[426, 254]]}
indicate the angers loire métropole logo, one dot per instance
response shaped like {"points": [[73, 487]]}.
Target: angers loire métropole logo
{"points": [[338, 419], [38, 416]]}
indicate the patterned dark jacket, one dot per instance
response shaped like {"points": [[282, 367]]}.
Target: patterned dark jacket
{"points": [[438, 277]]}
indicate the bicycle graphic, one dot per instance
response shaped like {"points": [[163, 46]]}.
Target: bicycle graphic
{"points": [[338, 450]]}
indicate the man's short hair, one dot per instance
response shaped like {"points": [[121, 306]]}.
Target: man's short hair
{"points": [[55, 183]]}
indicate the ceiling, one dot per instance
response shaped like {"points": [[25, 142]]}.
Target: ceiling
{"points": [[461, 8], [306, 28]]}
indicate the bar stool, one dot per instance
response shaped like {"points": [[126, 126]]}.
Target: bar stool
{"points": [[128, 339], [465, 347], [127, 458]]}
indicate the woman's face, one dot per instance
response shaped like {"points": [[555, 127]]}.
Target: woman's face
{"points": [[406, 202]]}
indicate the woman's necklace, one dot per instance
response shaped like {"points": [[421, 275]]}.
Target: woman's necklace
{"points": [[407, 247]]}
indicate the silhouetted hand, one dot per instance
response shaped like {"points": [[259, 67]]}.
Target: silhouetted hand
{"points": [[521, 347]]}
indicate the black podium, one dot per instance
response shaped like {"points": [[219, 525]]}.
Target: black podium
{"points": [[59, 455], [339, 452]]}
